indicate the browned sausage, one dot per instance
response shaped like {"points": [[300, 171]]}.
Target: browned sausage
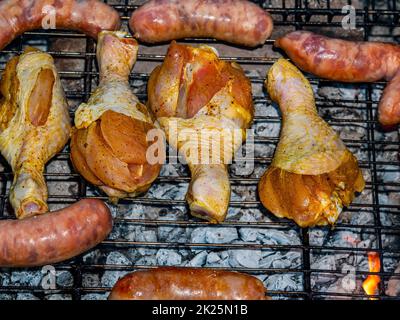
{"points": [[174, 283], [87, 16], [389, 106], [237, 21], [348, 61], [54, 236]]}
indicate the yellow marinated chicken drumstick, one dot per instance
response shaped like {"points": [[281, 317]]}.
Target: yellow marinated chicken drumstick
{"points": [[34, 126], [109, 143], [313, 175], [204, 106]]}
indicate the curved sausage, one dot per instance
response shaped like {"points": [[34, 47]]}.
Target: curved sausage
{"points": [[389, 106], [87, 16], [174, 283], [237, 21], [54, 236], [348, 61]]}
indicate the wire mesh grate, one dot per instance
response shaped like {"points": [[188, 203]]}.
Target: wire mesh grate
{"points": [[374, 217]]}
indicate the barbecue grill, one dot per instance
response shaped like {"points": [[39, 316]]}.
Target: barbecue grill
{"points": [[157, 229]]}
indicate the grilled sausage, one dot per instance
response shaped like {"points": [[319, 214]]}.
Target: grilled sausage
{"points": [[348, 61], [87, 16], [54, 236], [341, 60], [237, 21], [173, 283]]}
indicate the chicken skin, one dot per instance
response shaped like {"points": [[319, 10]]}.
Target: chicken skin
{"points": [[34, 126], [313, 175], [109, 142], [204, 105]]}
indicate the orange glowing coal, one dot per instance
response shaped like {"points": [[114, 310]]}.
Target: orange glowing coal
{"points": [[370, 285]]}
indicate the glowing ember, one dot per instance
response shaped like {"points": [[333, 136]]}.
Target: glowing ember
{"points": [[370, 285]]}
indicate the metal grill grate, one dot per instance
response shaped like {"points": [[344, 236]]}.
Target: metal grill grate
{"points": [[353, 116]]}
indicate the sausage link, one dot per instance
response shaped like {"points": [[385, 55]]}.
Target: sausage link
{"points": [[341, 60], [389, 106], [236, 21], [173, 283], [348, 61], [87, 16], [54, 236]]}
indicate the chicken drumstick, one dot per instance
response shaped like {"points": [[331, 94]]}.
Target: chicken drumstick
{"points": [[34, 126], [204, 105]]}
